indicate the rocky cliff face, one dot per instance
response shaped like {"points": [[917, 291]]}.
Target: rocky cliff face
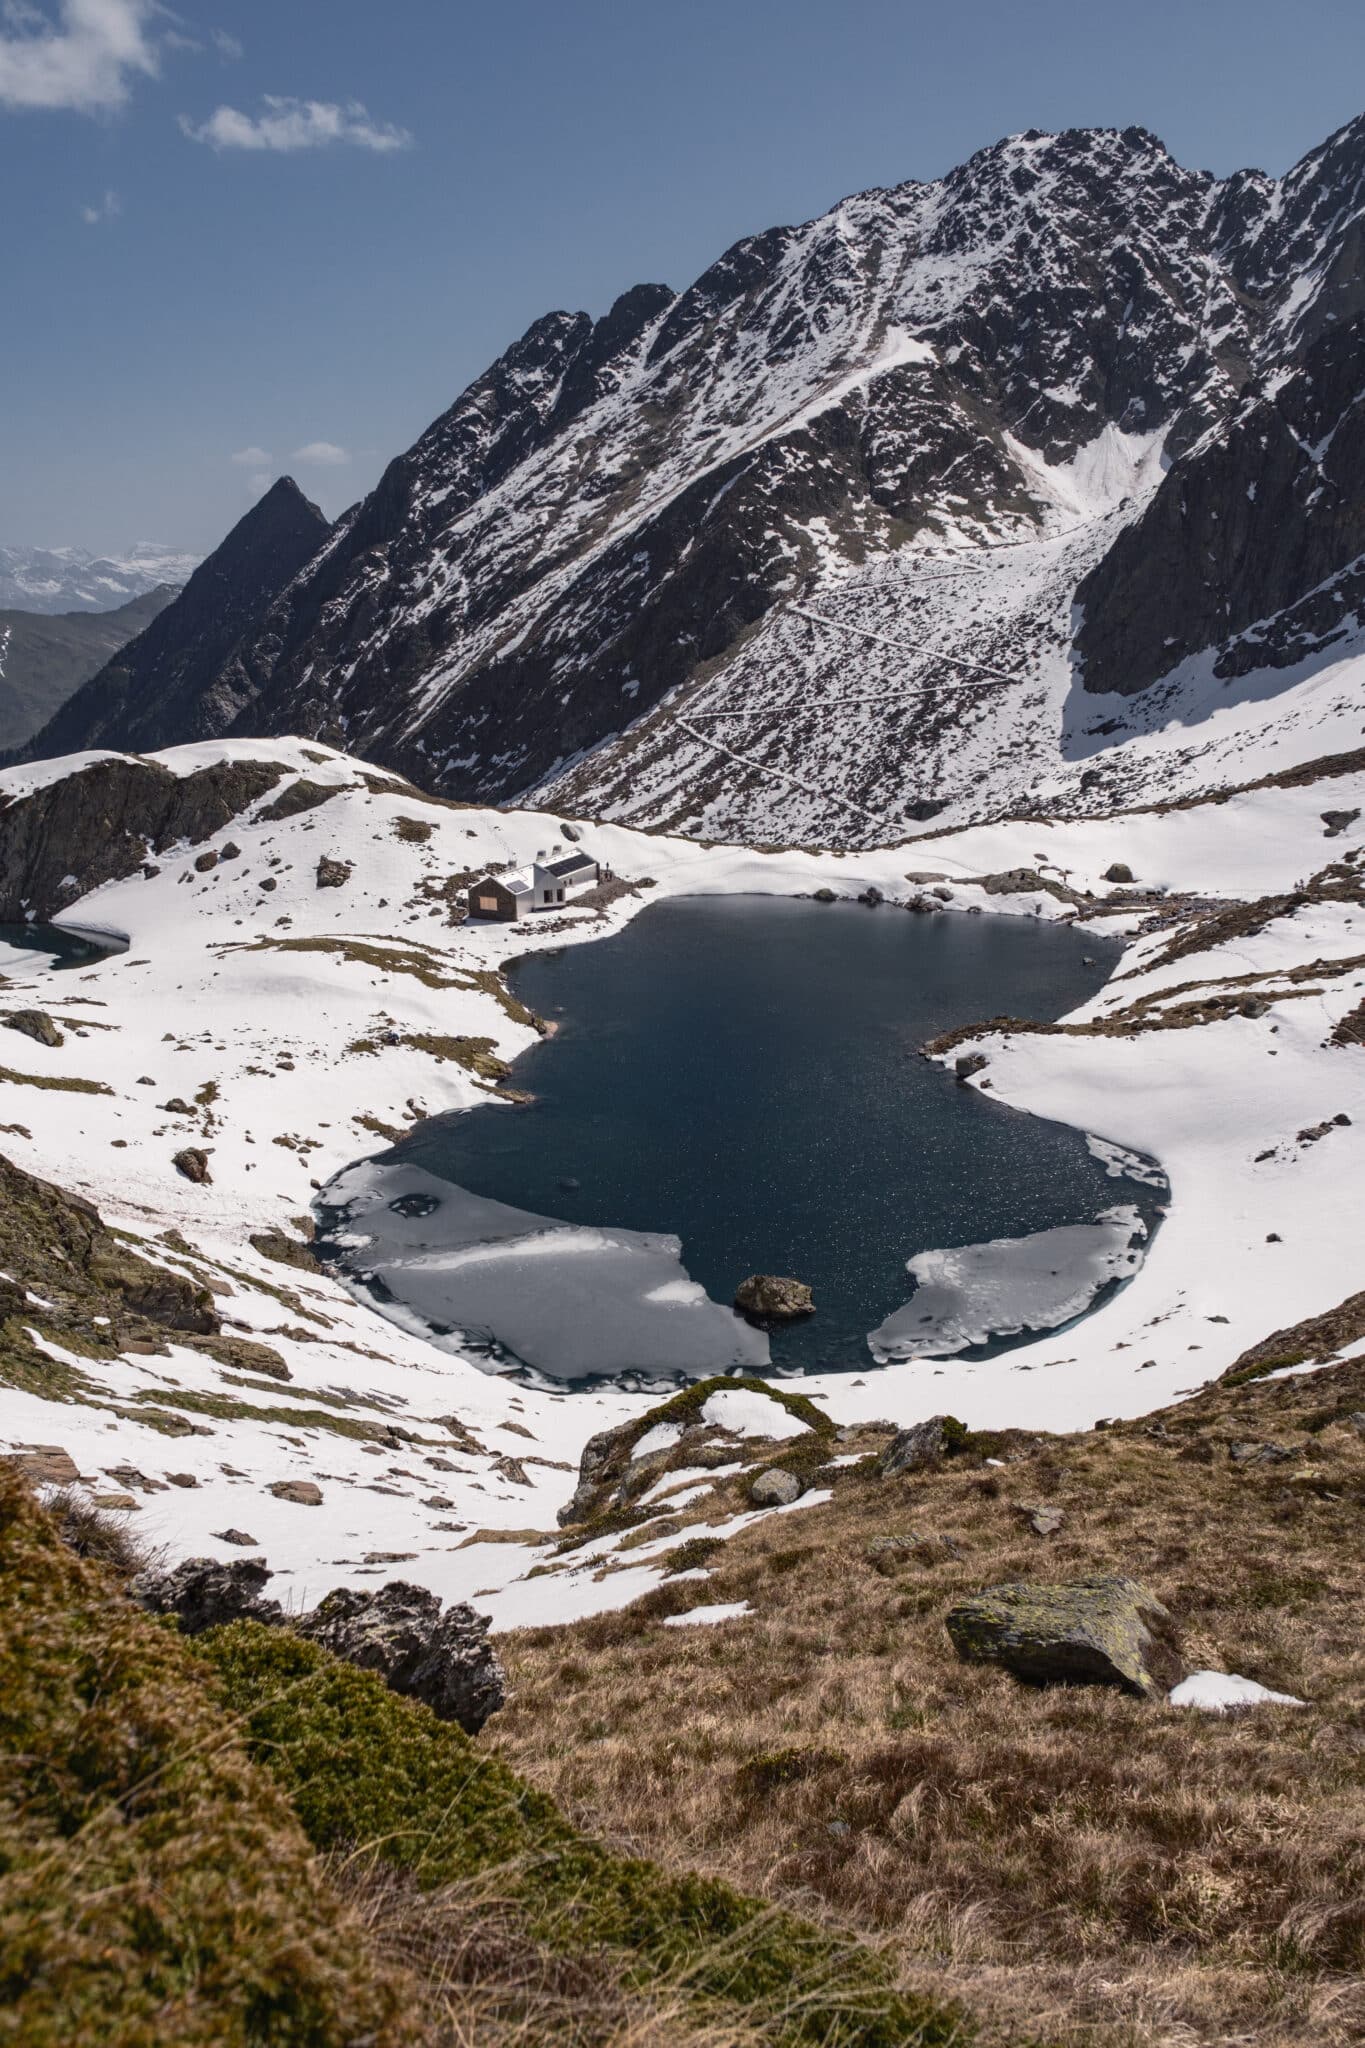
{"points": [[167, 685], [656, 565]]}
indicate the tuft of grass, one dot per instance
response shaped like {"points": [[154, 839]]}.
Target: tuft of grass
{"points": [[70, 1084]]}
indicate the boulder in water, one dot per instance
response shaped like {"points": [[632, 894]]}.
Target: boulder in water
{"points": [[767, 1298]]}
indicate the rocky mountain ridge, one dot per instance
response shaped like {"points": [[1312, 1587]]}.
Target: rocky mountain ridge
{"points": [[656, 565]]}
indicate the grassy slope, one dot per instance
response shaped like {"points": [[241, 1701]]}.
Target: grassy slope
{"points": [[1072, 1864], [161, 1804]]}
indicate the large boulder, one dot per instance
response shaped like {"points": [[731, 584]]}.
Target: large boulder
{"points": [[34, 1024], [400, 1632], [768, 1298], [201, 1593], [1100, 1631]]}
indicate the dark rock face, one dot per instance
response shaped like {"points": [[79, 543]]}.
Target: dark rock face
{"points": [[165, 686], [767, 1298], [193, 1163], [1101, 1631], [400, 1632], [1251, 546], [333, 874], [201, 1593], [102, 824]]}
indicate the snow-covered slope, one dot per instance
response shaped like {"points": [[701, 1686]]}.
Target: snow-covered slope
{"points": [[917, 505], [280, 1026]]}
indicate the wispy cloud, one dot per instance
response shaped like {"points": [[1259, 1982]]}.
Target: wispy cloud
{"points": [[228, 47], [251, 458], [320, 455], [292, 124], [109, 208], [83, 58]]}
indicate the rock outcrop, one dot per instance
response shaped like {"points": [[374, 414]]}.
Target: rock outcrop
{"points": [[202, 1593], [444, 1659], [1100, 1631]]}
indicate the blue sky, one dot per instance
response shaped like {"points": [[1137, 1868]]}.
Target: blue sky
{"points": [[285, 233]]}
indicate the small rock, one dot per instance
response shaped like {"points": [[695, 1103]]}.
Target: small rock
{"points": [[1273, 1237], [1044, 1521], [205, 861], [230, 852], [766, 1298], [871, 896], [333, 874], [301, 1491], [776, 1489], [968, 1063], [237, 1536], [193, 1163], [1118, 871], [924, 1443], [1100, 1631], [181, 1479], [1337, 822], [1254, 1006], [202, 1593], [35, 1024], [267, 883], [113, 1501], [825, 896], [177, 1106]]}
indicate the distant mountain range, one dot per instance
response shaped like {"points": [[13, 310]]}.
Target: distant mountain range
{"points": [[45, 657], [70, 580], [1037, 485]]}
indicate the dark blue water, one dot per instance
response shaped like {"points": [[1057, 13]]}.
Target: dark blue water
{"points": [[743, 1072], [62, 948]]}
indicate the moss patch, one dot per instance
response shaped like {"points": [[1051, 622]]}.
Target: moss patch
{"points": [[69, 1084], [154, 1883]]}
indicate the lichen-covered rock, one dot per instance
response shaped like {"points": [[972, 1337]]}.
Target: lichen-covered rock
{"points": [[400, 1632], [35, 1024], [164, 1296], [193, 1162], [768, 1298], [201, 1593], [1100, 1631], [600, 1456], [305, 1493], [923, 1443], [285, 1250], [775, 1489], [333, 874]]}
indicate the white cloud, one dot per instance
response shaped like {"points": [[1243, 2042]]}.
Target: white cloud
{"points": [[109, 208], [291, 124], [320, 455], [251, 458], [83, 59], [228, 47]]}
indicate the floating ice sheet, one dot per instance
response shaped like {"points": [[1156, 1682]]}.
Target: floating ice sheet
{"points": [[568, 1300], [976, 1292]]}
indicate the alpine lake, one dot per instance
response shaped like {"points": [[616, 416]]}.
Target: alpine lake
{"points": [[734, 1086]]}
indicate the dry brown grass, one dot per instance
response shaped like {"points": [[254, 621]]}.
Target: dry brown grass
{"points": [[1076, 1866], [484, 1981]]}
